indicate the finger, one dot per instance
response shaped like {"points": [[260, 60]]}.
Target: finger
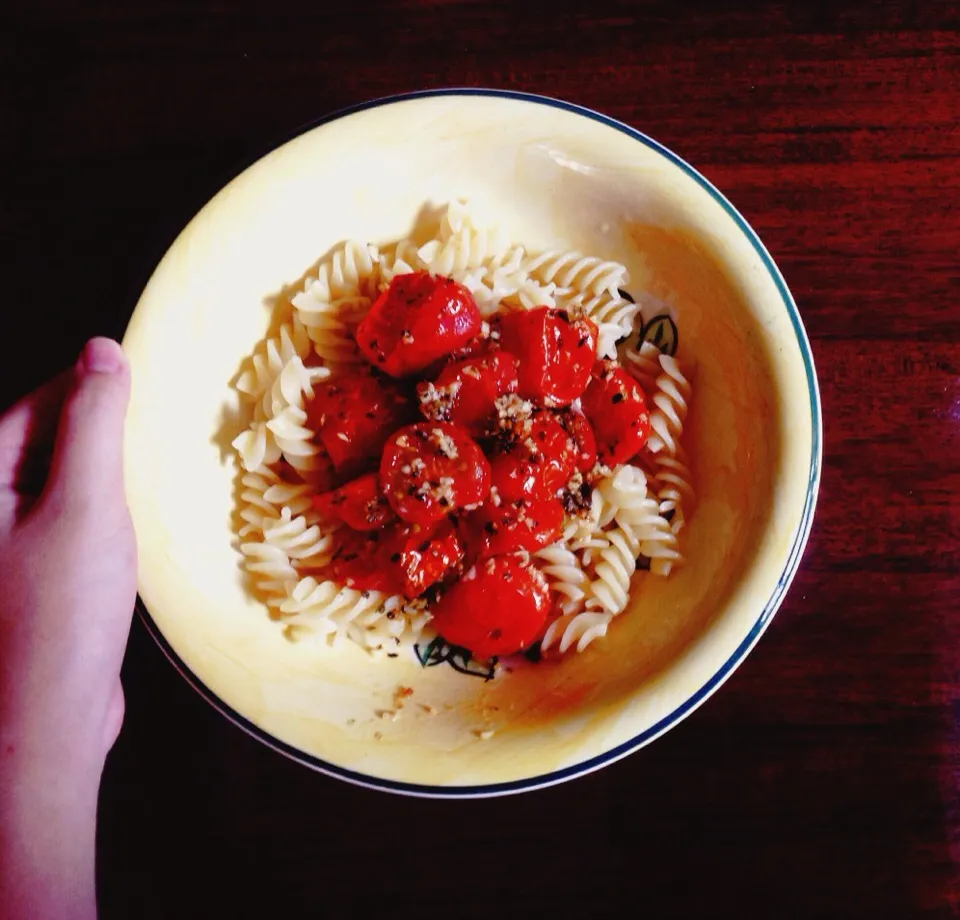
{"points": [[28, 427], [88, 454], [114, 718]]}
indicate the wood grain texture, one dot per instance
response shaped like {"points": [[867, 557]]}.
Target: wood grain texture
{"points": [[823, 780]]}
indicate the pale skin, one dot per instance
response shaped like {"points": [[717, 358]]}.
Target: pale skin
{"points": [[66, 595]]}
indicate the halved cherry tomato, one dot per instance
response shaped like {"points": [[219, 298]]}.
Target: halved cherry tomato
{"points": [[579, 428], [617, 409], [359, 504], [353, 416], [416, 320], [518, 525], [401, 559], [421, 557], [497, 607], [432, 468], [483, 342], [555, 353], [465, 391], [358, 563], [538, 465]]}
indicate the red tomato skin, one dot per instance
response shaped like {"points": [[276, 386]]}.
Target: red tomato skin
{"points": [[359, 504], [418, 459], [616, 407], [358, 564], [536, 466], [580, 429], [353, 415], [422, 557], [418, 319], [474, 385], [400, 559], [513, 526], [555, 353], [497, 607]]}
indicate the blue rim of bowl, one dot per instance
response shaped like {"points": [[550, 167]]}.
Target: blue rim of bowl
{"points": [[766, 615]]}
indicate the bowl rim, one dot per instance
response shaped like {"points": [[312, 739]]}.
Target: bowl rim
{"points": [[766, 615]]}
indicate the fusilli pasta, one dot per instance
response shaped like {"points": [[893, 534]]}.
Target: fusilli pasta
{"points": [[637, 511], [670, 398], [375, 621]]}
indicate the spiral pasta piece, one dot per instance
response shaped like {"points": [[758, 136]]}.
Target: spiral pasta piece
{"points": [[674, 490], [615, 317], [267, 362], [271, 570], [264, 494], [399, 260], [626, 488], [373, 620], [644, 365], [610, 587], [670, 401], [351, 272], [466, 249], [652, 534], [579, 629], [576, 274], [256, 447], [331, 304], [565, 575]]}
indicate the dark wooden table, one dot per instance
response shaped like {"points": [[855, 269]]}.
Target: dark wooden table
{"points": [[824, 779]]}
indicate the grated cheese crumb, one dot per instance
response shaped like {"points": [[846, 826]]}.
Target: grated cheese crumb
{"points": [[445, 489], [444, 443], [511, 406], [436, 402], [599, 471]]}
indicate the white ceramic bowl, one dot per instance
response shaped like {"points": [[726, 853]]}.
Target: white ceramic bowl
{"points": [[555, 175]]}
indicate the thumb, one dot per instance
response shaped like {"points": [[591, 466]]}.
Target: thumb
{"points": [[87, 460]]}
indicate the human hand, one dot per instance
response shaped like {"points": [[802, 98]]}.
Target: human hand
{"points": [[69, 585]]}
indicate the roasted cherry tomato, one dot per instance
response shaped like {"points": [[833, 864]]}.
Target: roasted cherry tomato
{"points": [[555, 353], [484, 341], [617, 409], [421, 556], [495, 530], [466, 391], [497, 607], [415, 321], [431, 469], [401, 559], [359, 504], [581, 431], [358, 563], [353, 416], [538, 464]]}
